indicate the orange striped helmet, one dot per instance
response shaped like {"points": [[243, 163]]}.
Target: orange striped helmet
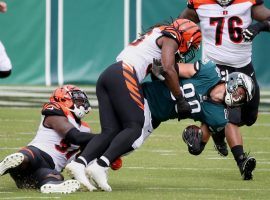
{"points": [[190, 34], [73, 98]]}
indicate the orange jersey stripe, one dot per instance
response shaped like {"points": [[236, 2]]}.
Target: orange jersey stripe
{"points": [[129, 77], [31, 152], [140, 104], [133, 89], [127, 67]]}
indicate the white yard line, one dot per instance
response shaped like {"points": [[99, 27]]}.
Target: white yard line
{"points": [[189, 168], [208, 189], [30, 197]]}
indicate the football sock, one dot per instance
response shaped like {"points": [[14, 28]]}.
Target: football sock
{"points": [[238, 153], [81, 160], [103, 161]]}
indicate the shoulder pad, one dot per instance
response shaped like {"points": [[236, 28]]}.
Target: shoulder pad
{"points": [[171, 33], [50, 109]]}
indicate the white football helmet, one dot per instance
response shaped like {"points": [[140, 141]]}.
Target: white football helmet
{"points": [[224, 2], [234, 81]]}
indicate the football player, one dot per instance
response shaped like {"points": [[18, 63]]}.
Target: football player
{"points": [[208, 97], [120, 97], [60, 136], [5, 64], [228, 32]]}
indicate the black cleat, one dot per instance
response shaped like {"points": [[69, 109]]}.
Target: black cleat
{"points": [[221, 149], [220, 145], [246, 167]]}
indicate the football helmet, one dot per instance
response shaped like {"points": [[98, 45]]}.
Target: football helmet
{"points": [[73, 98], [190, 38], [234, 82], [224, 2]]}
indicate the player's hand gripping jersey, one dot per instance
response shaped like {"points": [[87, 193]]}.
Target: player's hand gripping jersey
{"points": [[195, 90], [51, 142], [221, 30]]}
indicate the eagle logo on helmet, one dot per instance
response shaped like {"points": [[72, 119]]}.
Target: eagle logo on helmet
{"points": [[73, 98]]}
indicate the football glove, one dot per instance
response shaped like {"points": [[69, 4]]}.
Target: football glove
{"points": [[254, 29], [157, 69], [183, 108]]}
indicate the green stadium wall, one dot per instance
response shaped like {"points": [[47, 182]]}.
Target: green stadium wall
{"points": [[93, 35]]}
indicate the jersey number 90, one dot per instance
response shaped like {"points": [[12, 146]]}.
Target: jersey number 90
{"points": [[189, 93]]}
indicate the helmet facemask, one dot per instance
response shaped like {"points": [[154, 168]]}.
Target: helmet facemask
{"points": [[73, 98], [224, 3], [81, 105], [239, 89]]}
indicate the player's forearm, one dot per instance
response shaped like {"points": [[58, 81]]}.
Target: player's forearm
{"points": [[74, 136]]}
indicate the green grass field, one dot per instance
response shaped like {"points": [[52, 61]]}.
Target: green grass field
{"points": [[161, 169]]}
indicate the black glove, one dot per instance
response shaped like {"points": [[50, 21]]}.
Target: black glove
{"points": [[183, 108], [254, 29], [157, 69]]}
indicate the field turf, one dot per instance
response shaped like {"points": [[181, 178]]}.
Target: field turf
{"points": [[161, 169]]}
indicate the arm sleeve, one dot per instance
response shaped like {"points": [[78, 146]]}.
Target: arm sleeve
{"points": [[74, 136]]}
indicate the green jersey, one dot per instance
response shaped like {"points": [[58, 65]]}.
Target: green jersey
{"points": [[196, 90]]}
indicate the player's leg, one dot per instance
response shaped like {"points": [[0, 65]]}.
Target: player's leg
{"points": [[11, 161], [33, 159], [51, 181], [109, 128], [219, 143], [128, 103], [249, 113]]}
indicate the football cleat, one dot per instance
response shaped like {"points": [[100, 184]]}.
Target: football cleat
{"points": [[99, 175], [247, 166], [117, 164], [77, 171], [65, 187], [11, 161], [219, 144], [221, 149]]}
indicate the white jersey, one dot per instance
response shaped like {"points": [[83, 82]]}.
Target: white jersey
{"points": [[54, 144], [5, 64], [141, 52], [221, 31]]}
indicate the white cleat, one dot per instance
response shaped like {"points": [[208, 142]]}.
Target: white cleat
{"points": [[11, 161], [66, 187], [99, 175], [77, 171]]}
